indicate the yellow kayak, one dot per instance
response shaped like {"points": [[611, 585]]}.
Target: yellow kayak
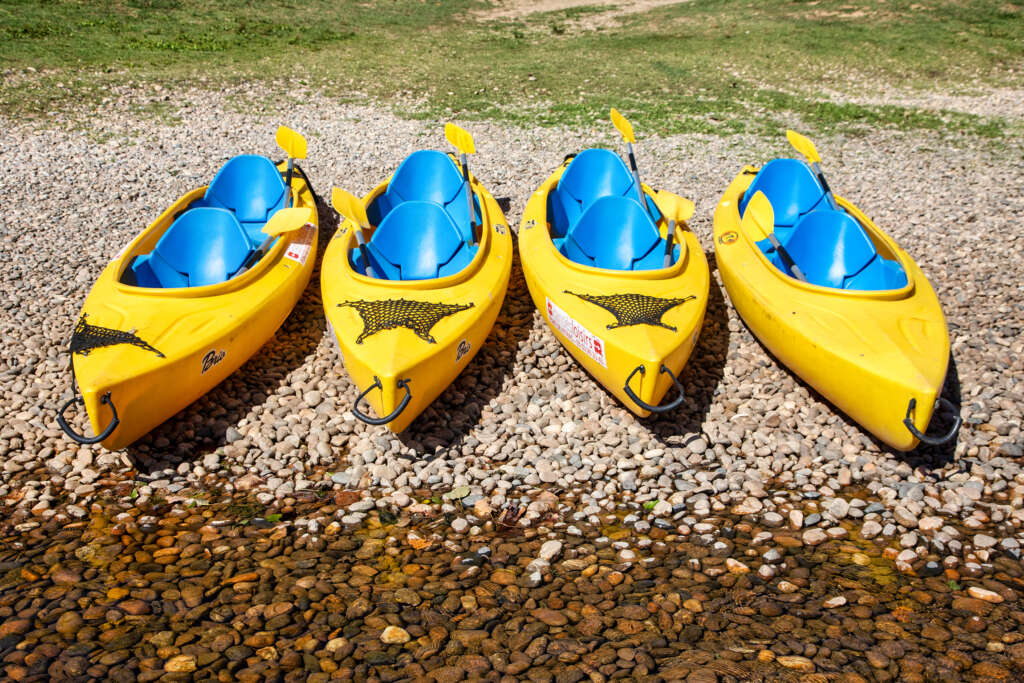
{"points": [[625, 300], [193, 296], [412, 283], [840, 303]]}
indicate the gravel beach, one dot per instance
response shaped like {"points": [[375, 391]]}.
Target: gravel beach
{"points": [[524, 443]]}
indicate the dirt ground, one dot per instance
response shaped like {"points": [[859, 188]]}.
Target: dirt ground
{"points": [[520, 9]]}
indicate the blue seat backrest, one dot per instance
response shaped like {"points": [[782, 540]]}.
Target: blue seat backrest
{"points": [[596, 173], [248, 185], [204, 246], [614, 233], [830, 246], [790, 187], [592, 174], [429, 176], [415, 241]]}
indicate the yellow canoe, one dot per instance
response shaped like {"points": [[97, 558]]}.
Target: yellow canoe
{"points": [[143, 349], [874, 342], [408, 326], [608, 298]]}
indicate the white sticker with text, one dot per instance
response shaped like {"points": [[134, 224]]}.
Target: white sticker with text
{"points": [[580, 336], [298, 250]]}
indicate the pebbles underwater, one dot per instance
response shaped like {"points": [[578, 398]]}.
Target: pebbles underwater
{"points": [[526, 525]]}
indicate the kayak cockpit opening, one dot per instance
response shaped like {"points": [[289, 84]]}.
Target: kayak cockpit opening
{"points": [[217, 236], [830, 246], [424, 230], [596, 217]]}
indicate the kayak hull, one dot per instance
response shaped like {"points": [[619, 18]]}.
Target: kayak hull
{"points": [[188, 339], [625, 327], [869, 353], [405, 341]]}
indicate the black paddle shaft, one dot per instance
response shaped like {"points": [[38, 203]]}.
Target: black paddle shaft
{"points": [[288, 183], [469, 194]]}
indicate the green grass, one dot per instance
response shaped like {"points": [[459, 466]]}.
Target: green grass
{"points": [[707, 66]]}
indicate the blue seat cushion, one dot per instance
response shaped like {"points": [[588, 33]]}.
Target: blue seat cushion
{"points": [[614, 233], [558, 216], [790, 187], [251, 187], [149, 270], [204, 246], [830, 246], [417, 240], [880, 274], [428, 176]]}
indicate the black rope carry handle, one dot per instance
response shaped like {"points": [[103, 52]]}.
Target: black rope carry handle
{"points": [[647, 406], [403, 383], [940, 402], [79, 438]]}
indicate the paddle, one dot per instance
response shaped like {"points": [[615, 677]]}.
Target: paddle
{"points": [[463, 142], [626, 131], [294, 146], [677, 210], [803, 145], [760, 218], [349, 206], [285, 220]]}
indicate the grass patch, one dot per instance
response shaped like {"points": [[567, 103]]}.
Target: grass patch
{"points": [[706, 66]]}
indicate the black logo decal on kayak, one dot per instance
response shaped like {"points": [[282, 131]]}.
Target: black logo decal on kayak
{"points": [[211, 358], [388, 314], [462, 350], [87, 337], [634, 309], [499, 228], [529, 224]]}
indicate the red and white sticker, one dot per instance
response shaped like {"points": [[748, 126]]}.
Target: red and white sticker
{"points": [[298, 250], [580, 336]]}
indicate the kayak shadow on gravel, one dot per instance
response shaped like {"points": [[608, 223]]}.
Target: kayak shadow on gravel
{"points": [[447, 421], [924, 456], [702, 373], [202, 427]]}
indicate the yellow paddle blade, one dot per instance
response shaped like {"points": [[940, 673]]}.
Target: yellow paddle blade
{"points": [[287, 220], [759, 218], [625, 129], [460, 139], [349, 206], [673, 206], [803, 145], [293, 144]]}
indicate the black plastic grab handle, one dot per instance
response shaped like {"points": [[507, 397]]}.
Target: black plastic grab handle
{"points": [[404, 383], [75, 436], [647, 406], [934, 440]]}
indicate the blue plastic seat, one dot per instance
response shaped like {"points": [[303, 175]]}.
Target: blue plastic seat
{"points": [[417, 240], [251, 187], [615, 233], [591, 175], [790, 187], [830, 247], [204, 246], [428, 176]]}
